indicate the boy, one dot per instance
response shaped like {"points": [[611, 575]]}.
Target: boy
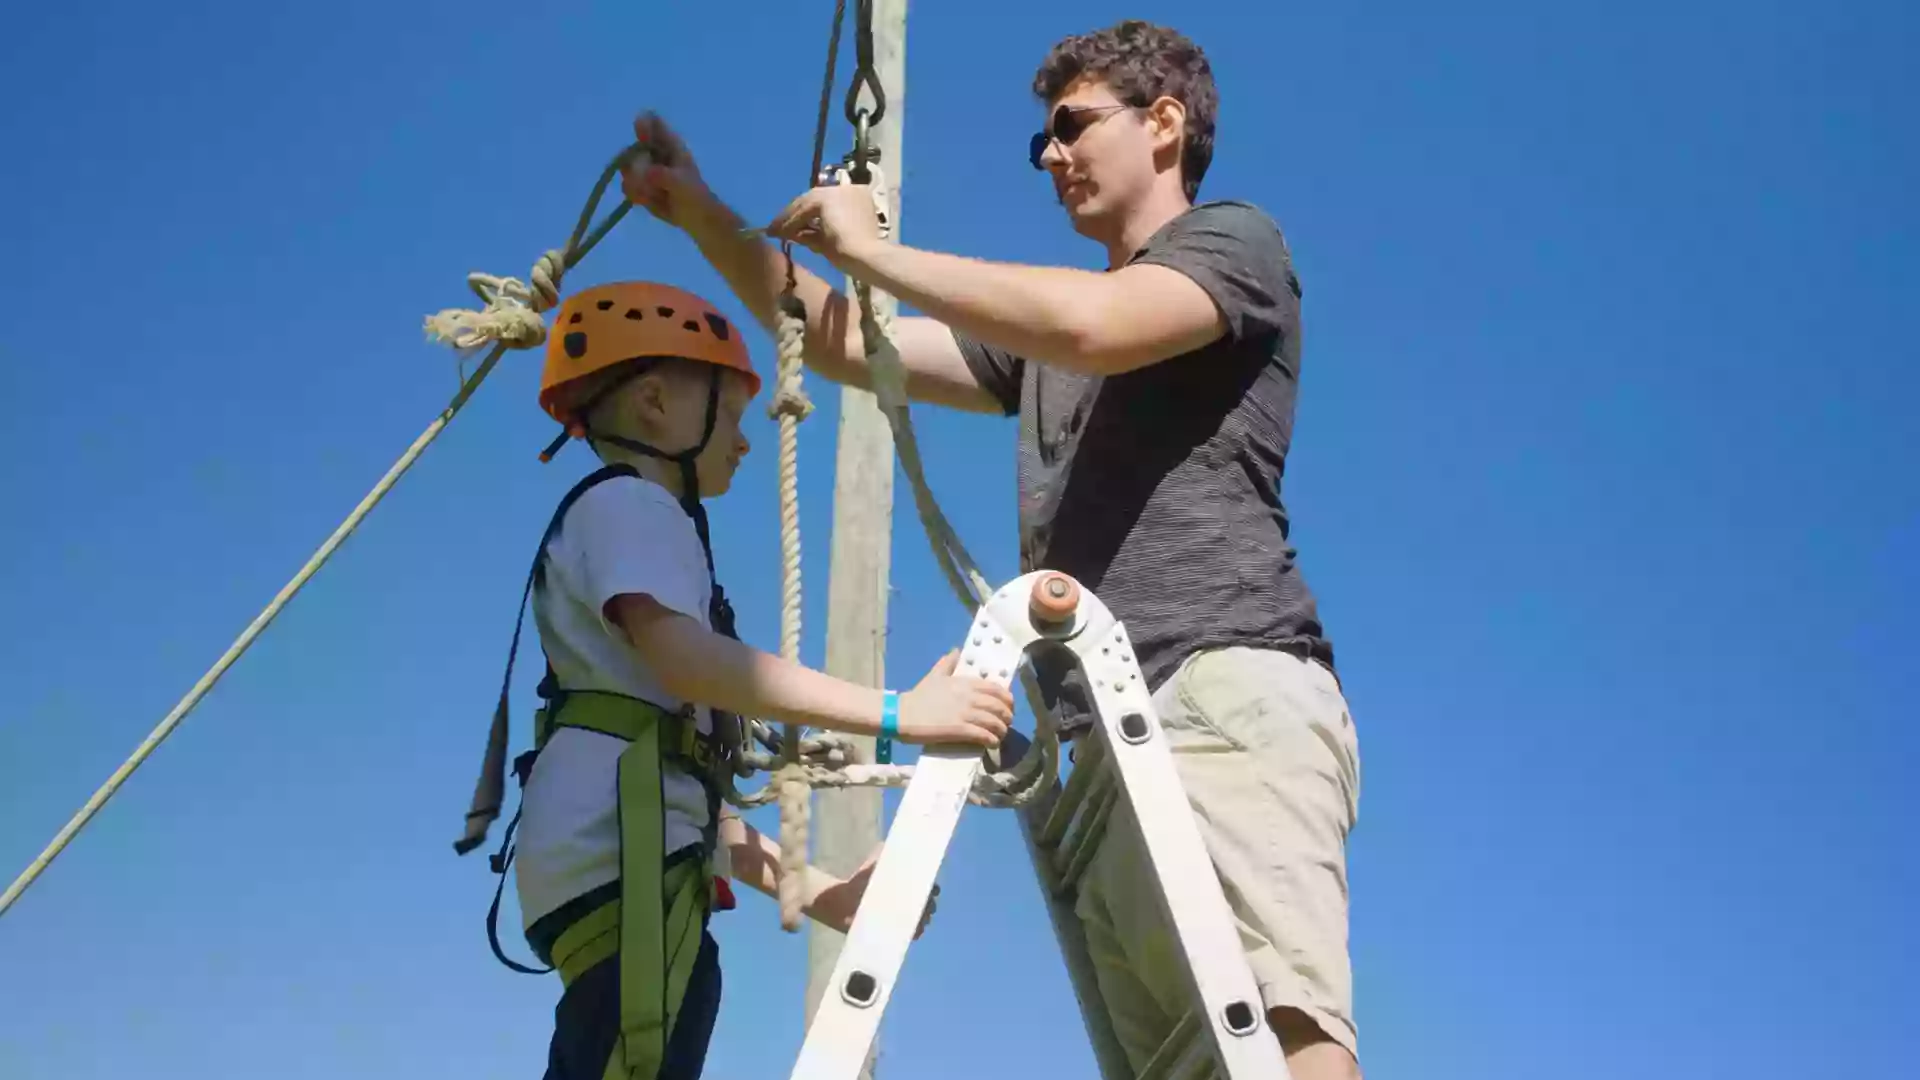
{"points": [[626, 845]]}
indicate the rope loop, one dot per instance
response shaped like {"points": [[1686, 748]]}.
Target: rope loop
{"points": [[511, 308], [789, 396], [511, 312]]}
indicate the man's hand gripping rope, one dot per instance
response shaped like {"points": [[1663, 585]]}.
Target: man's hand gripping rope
{"points": [[832, 763]]}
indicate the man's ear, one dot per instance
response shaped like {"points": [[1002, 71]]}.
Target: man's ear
{"points": [[1169, 119]]}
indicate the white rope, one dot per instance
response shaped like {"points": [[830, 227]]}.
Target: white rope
{"points": [[829, 759], [1019, 785], [826, 760], [510, 319], [889, 383]]}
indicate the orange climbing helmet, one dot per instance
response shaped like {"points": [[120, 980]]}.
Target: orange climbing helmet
{"points": [[605, 325]]}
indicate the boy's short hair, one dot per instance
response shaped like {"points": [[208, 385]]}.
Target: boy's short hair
{"points": [[578, 392], [1140, 61]]}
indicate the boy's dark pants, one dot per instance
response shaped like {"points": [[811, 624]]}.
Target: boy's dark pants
{"points": [[586, 1023]]}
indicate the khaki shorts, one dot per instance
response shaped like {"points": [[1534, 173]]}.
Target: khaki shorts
{"points": [[1267, 751]]}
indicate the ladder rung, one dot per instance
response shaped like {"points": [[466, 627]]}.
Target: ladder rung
{"points": [[1076, 853], [1166, 1061], [1079, 782]]}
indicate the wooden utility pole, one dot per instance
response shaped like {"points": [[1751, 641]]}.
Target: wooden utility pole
{"points": [[846, 821]]}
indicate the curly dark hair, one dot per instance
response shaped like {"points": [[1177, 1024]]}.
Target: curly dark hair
{"points": [[1140, 61]]}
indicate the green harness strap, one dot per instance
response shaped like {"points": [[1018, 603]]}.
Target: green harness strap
{"points": [[656, 923], [657, 930]]}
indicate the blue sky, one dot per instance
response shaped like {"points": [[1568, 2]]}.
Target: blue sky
{"points": [[1604, 476]]}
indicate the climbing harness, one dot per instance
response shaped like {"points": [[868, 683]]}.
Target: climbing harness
{"points": [[606, 337], [653, 915], [616, 333]]}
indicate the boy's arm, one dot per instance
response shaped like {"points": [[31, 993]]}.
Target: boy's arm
{"points": [[756, 863], [631, 553], [695, 664]]}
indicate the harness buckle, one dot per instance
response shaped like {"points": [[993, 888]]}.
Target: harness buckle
{"points": [[686, 741]]}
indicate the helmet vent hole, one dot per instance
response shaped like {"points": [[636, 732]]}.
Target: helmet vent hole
{"points": [[692, 324], [718, 325], [605, 305], [664, 312], [576, 318], [634, 314], [576, 344]]}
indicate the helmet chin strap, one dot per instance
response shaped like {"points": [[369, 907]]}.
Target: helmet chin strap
{"points": [[686, 459], [722, 611]]}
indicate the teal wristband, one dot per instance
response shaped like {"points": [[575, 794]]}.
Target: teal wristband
{"points": [[889, 727]]}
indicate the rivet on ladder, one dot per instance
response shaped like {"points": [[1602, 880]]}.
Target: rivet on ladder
{"points": [[1240, 1018], [861, 990], [1133, 728]]}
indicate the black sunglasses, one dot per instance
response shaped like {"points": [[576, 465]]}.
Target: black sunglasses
{"points": [[1067, 127]]}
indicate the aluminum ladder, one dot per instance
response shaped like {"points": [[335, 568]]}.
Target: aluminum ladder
{"points": [[1225, 1034]]}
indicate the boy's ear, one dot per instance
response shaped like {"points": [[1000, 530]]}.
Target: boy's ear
{"points": [[647, 397]]}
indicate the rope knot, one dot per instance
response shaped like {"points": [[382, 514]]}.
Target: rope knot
{"points": [[511, 314], [547, 272], [789, 398]]}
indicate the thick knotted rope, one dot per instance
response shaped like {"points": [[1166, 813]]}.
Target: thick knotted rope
{"points": [[512, 311], [790, 406], [511, 315]]}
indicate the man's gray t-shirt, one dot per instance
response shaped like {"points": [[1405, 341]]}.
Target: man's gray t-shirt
{"points": [[1159, 488]]}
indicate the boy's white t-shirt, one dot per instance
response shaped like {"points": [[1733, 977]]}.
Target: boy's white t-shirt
{"points": [[623, 535]]}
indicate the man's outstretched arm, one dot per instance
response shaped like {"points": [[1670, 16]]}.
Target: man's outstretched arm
{"points": [[756, 271], [1078, 320], [667, 183]]}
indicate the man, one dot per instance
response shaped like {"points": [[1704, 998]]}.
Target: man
{"points": [[1156, 406]]}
